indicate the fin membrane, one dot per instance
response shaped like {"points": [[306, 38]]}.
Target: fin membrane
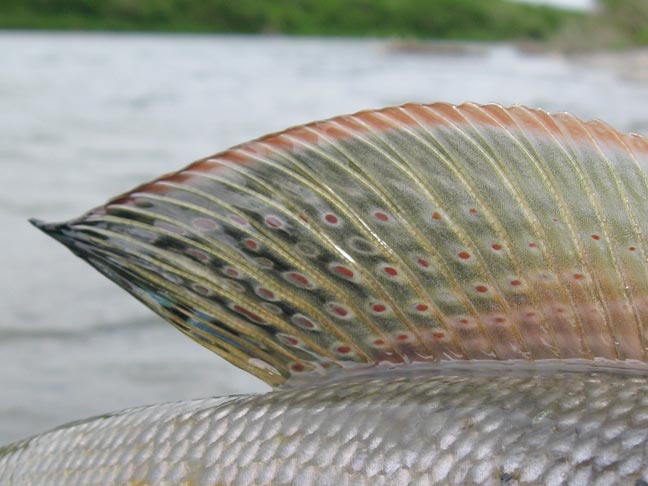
{"points": [[410, 234]]}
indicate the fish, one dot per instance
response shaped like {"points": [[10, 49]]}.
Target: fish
{"points": [[438, 294]]}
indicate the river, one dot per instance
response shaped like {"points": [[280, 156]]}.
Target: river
{"points": [[87, 116]]}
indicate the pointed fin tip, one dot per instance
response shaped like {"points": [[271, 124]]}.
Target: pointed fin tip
{"points": [[44, 226], [55, 230], [61, 232]]}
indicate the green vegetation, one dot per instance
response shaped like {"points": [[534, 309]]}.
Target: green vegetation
{"points": [[616, 24], [629, 18], [440, 19]]}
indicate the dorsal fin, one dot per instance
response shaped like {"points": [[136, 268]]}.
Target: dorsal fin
{"points": [[410, 234]]}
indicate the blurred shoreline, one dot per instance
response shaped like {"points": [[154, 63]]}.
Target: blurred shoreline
{"points": [[491, 20], [411, 25], [630, 63]]}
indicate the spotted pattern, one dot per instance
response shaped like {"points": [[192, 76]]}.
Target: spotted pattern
{"points": [[404, 221]]}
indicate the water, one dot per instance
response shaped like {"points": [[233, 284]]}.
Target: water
{"points": [[87, 116]]}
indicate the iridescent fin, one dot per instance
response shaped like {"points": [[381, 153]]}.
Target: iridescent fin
{"points": [[410, 234]]}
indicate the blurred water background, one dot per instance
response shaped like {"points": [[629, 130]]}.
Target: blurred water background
{"points": [[87, 116]]}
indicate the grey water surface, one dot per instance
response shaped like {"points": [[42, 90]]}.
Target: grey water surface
{"points": [[86, 116]]}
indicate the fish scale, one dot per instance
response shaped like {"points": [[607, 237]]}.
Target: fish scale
{"points": [[440, 294], [418, 427]]}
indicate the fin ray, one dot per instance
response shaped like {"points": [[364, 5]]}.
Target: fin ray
{"points": [[409, 234]]}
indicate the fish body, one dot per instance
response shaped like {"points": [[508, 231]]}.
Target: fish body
{"points": [[422, 427], [440, 295]]}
